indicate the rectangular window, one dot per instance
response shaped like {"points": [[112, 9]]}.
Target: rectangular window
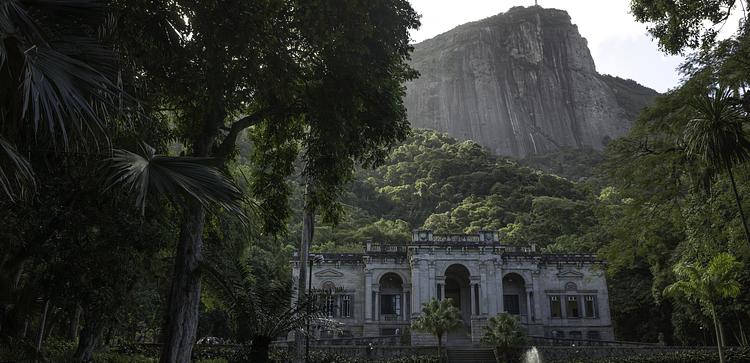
{"points": [[346, 306], [390, 306], [330, 306], [589, 306], [554, 306], [575, 335], [511, 305], [572, 308]]}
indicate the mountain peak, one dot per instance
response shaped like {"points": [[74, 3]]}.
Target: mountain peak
{"points": [[520, 82]]}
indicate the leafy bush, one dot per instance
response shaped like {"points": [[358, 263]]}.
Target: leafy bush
{"points": [[741, 355], [58, 350], [114, 357], [323, 357]]}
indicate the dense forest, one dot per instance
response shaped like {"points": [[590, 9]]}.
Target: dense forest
{"points": [[433, 181], [161, 162]]}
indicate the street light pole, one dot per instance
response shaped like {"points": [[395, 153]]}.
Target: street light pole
{"points": [[309, 291]]}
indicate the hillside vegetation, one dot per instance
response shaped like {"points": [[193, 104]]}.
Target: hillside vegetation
{"points": [[433, 181]]}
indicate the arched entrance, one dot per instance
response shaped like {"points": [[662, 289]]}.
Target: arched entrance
{"points": [[458, 288], [514, 295], [391, 297]]}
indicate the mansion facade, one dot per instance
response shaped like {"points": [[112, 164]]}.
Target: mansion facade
{"points": [[379, 291]]}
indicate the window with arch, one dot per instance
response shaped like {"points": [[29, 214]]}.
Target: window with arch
{"points": [[391, 291], [328, 287]]}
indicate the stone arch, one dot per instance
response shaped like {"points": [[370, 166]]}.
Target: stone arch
{"points": [[391, 301], [571, 286], [378, 275], [514, 294], [458, 288], [470, 267], [328, 287]]}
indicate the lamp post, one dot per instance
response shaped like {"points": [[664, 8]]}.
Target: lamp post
{"points": [[313, 258]]}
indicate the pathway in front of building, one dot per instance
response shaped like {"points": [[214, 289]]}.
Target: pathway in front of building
{"points": [[470, 355], [461, 350]]}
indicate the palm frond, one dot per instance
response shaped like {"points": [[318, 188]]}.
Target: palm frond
{"points": [[66, 73], [182, 179], [16, 174], [717, 135]]}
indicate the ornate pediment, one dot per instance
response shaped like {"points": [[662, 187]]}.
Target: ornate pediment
{"points": [[328, 273], [569, 274]]}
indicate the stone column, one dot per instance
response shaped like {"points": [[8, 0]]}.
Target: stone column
{"points": [[500, 292], [416, 286], [483, 288], [377, 305], [539, 297], [432, 282], [530, 303], [442, 289], [407, 313], [471, 298], [403, 304], [368, 295]]}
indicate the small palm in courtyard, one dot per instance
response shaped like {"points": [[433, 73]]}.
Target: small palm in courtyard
{"points": [[708, 286], [505, 334], [717, 136], [438, 318], [258, 298]]}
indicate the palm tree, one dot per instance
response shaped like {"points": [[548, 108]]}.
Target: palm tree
{"points": [[505, 334], [56, 83], [708, 285], [717, 136], [60, 92], [438, 318], [259, 304]]}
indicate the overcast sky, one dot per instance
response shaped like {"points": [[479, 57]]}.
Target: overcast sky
{"points": [[620, 46]]}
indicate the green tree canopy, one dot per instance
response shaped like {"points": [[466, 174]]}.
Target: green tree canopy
{"points": [[708, 286]]}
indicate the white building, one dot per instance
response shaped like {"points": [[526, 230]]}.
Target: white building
{"points": [[379, 291]]}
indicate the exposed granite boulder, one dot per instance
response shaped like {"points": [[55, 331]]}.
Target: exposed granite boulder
{"points": [[521, 82]]}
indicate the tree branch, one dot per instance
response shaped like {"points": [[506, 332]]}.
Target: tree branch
{"points": [[226, 146]]}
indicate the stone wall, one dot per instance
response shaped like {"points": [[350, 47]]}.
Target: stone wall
{"points": [[378, 351], [574, 353]]}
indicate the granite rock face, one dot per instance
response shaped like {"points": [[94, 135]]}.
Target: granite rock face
{"points": [[521, 82]]}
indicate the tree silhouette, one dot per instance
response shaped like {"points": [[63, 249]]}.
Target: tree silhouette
{"points": [[717, 137], [438, 318], [708, 285]]}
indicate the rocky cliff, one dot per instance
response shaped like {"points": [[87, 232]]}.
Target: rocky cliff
{"points": [[521, 82]]}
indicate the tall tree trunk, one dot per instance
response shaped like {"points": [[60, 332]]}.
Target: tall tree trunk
{"points": [[88, 338], [743, 336], [25, 328], [308, 229], [181, 324], [718, 335], [739, 203], [42, 323], [73, 327], [440, 348]]}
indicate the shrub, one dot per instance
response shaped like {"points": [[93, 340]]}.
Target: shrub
{"points": [[737, 355], [114, 357]]}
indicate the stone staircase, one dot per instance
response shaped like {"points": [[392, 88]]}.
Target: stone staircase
{"points": [[458, 338], [470, 355]]}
